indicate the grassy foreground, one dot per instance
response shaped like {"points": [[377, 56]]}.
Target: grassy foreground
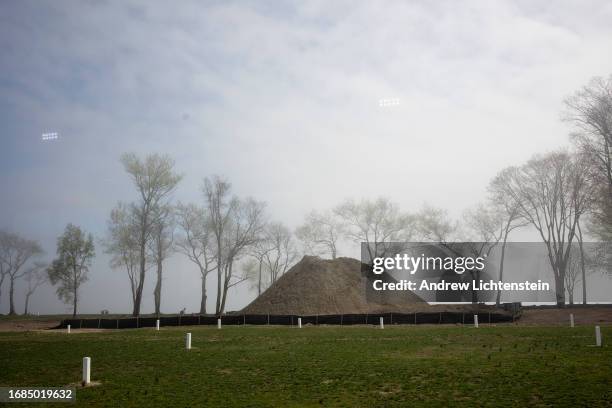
{"points": [[319, 366]]}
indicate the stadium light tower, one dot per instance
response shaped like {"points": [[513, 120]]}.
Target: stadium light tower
{"points": [[49, 136], [388, 102]]}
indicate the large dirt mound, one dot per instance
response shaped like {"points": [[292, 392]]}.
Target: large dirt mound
{"points": [[318, 286]]}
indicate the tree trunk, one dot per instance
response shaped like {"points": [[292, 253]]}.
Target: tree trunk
{"points": [[133, 289], [74, 306], [27, 301], [158, 288], [560, 289], [501, 272], [76, 299], [582, 267], [136, 310], [141, 283], [608, 165], [219, 235], [2, 277], [219, 292], [11, 297], [228, 276], [143, 260], [259, 283], [75, 293], [203, 301], [501, 263]]}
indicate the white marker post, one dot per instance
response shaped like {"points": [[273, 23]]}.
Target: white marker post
{"points": [[571, 320], [157, 325], [382, 322], [476, 321], [68, 329], [218, 323], [299, 322], [597, 336], [188, 341], [86, 371]]}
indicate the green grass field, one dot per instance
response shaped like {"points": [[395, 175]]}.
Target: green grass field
{"points": [[319, 366]]}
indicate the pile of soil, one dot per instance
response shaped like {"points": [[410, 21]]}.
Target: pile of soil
{"points": [[320, 286]]}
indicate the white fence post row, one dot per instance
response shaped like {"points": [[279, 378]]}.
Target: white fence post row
{"points": [[188, 341], [86, 371], [476, 321], [218, 323], [157, 325], [597, 336], [382, 322], [68, 329], [571, 320], [299, 322]]}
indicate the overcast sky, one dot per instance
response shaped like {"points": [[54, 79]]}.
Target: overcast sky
{"points": [[283, 99]]}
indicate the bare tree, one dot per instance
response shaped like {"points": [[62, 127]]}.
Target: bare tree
{"points": [[572, 273], [34, 278], [599, 258], [509, 210], [236, 225], [590, 111], [379, 224], [196, 242], [15, 252], [244, 231], [278, 253], [122, 244], [579, 263], [433, 224], [155, 180], [75, 251], [581, 249], [551, 193], [320, 233], [484, 228], [220, 208], [3, 275], [484, 225], [4, 266], [161, 246], [253, 268], [283, 252]]}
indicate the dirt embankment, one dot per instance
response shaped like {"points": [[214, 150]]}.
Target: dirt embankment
{"points": [[588, 315], [15, 325]]}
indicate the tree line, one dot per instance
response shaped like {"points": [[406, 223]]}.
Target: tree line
{"points": [[564, 195], [20, 259]]}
